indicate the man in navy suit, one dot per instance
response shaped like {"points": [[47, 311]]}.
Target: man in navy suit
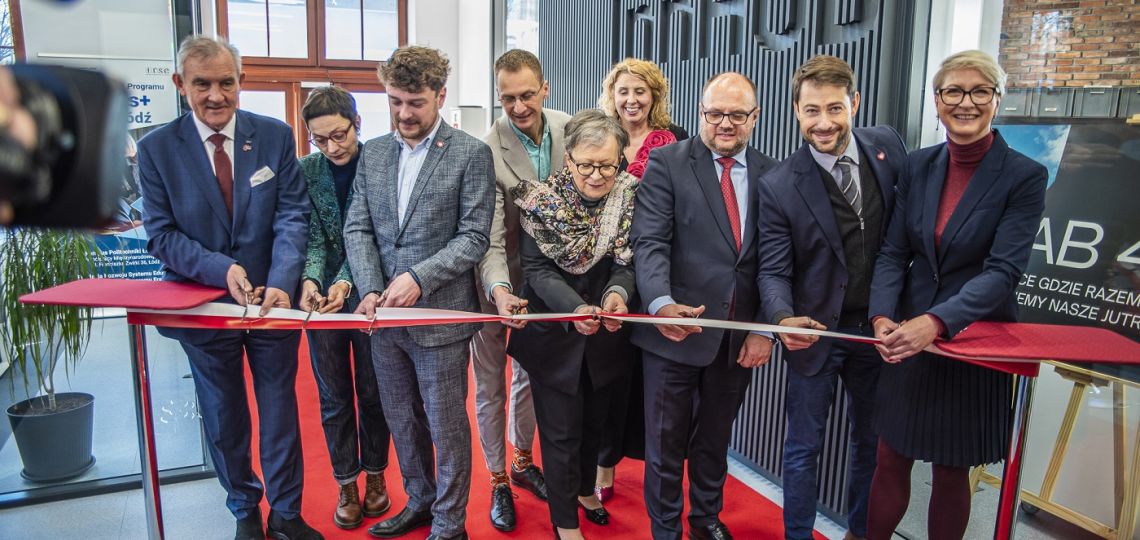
{"points": [[694, 243], [823, 212], [225, 206]]}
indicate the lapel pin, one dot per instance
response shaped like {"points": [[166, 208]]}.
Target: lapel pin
{"points": [[249, 146], [439, 144], [881, 155]]}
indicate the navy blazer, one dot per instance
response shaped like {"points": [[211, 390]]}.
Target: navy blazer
{"points": [[803, 270], [683, 247], [985, 246], [189, 229]]}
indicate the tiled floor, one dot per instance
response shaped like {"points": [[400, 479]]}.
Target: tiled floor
{"points": [[105, 372], [195, 510]]}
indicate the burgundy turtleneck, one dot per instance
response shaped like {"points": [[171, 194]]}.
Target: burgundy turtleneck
{"points": [[964, 160]]}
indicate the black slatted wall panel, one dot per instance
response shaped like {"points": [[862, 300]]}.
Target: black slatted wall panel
{"points": [[694, 39]]}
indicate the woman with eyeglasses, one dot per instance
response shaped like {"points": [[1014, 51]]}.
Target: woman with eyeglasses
{"points": [[636, 93], [353, 421], [576, 258], [966, 213]]}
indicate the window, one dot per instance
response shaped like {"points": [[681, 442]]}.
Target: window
{"points": [[9, 50], [361, 30], [333, 33], [522, 25], [291, 46], [273, 28]]}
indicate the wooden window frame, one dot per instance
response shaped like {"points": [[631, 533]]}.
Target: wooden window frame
{"points": [[17, 30], [315, 29]]}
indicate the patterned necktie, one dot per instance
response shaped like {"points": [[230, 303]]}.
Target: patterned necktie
{"points": [[847, 185], [223, 169], [729, 192]]}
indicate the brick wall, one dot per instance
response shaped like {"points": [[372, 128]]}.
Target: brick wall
{"points": [[1073, 43]]}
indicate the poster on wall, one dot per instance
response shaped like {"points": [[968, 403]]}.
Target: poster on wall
{"points": [[1085, 265], [91, 35], [152, 102]]}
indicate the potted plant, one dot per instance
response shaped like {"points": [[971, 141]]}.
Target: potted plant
{"points": [[52, 429]]}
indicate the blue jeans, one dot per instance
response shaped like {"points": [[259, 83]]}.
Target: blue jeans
{"points": [[351, 415], [809, 399]]}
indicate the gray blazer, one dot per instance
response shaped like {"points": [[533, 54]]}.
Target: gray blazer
{"points": [[512, 164], [445, 230]]}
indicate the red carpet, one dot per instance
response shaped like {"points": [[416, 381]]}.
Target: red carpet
{"points": [[749, 515]]}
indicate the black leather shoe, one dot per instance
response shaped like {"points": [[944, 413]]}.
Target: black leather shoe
{"points": [[502, 508], [599, 516], [290, 529], [400, 524], [716, 531], [249, 527], [460, 536], [530, 479]]}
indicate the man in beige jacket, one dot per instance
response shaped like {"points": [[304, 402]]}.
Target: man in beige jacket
{"points": [[526, 142]]}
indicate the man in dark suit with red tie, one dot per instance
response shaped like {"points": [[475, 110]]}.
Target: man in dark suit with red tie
{"points": [[224, 205], [694, 241], [823, 212]]}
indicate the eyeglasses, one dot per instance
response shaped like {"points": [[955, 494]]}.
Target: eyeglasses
{"points": [[586, 169], [509, 101], [737, 118], [338, 136], [978, 96]]}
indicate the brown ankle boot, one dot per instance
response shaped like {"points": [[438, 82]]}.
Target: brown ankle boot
{"points": [[348, 514], [375, 496]]}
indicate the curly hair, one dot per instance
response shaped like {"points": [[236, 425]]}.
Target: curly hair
{"points": [[658, 86], [412, 68]]}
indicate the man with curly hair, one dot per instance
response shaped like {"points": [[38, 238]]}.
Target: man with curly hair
{"points": [[418, 224]]}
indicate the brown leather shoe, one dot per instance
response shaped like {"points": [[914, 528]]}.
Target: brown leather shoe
{"points": [[348, 514], [375, 496]]}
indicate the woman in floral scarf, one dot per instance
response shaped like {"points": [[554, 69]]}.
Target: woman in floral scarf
{"points": [[637, 94], [576, 258]]}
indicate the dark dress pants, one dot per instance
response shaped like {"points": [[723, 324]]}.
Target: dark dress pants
{"points": [[689, 411], [623, 434], [809, 400], [351, 415], [570, 429], [219, 380]]}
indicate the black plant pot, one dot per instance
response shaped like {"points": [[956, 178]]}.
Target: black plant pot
{"points": [[54, 445]]}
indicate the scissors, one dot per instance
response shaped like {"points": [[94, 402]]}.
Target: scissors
{"points": [[248, 301]]}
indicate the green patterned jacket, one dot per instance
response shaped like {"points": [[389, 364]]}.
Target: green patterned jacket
{"points": [[325, 260]]}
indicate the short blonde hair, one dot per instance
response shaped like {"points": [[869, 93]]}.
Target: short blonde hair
{"points": [[975, 60], [658, 86]]}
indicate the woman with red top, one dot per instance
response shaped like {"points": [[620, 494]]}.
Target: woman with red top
{"points": [[637, 94], [965, 217]]}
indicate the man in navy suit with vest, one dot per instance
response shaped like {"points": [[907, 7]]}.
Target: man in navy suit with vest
{"points": [[225, 206], [823, 213]]}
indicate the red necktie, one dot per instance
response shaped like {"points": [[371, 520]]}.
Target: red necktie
{"points": [[729, 193], [223, 169]]}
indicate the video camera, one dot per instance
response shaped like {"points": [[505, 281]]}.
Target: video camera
{"points": [[71, 176]]}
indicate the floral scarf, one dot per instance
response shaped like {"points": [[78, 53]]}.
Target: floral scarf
{"points": [[655, 138], [572, 235]]}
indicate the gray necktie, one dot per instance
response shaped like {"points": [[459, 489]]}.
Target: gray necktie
{"points": [[847, 185]]}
